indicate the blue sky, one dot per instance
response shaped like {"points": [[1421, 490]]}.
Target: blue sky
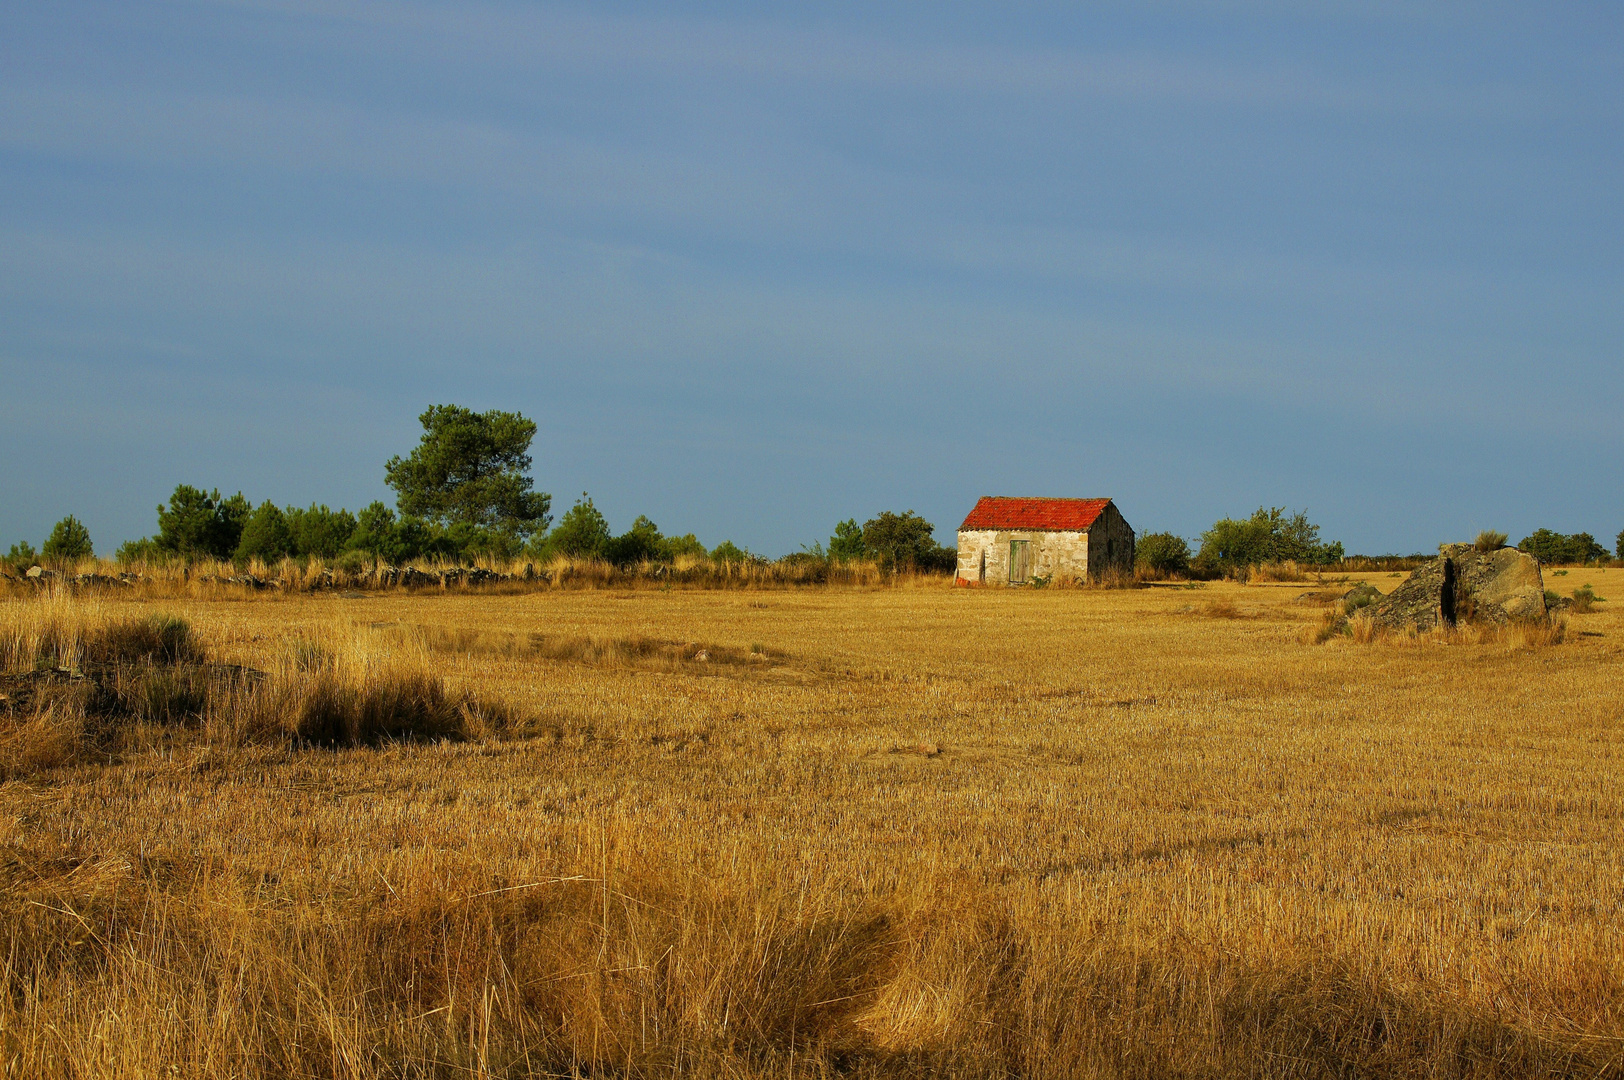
{"points": [[757, 268]]}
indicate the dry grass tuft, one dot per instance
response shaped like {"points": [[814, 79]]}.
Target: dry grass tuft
{"points": [[1288, 571]]}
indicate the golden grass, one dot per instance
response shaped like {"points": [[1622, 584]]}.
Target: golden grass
{"points": [[933, 831]]}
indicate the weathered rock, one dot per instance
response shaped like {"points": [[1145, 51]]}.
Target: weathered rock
{"points": [[1464, 584], [39, 573], [1361, 596]]}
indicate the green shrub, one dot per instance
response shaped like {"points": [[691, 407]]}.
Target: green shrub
{"points": [[582, 533], [688, 544], [145, 550], [641, 543], [1268, 536], [1585, 599], [1619, 547], [317, 531], [265, 535], [200, 523], [1554, 548], [21, 556], [69, 539], [847, 542], [728, 551], [906, 541], [1162, 553]]}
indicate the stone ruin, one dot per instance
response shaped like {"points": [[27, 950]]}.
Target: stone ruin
{"points": [[1464, 584]]}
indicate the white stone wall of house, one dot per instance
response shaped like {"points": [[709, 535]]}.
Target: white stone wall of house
{"points": [[984, 555]]}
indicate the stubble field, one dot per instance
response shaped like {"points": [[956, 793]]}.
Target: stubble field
{"points": [[890, 831]]}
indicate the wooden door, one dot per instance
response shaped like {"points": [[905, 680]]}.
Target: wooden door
{"points": [[1020, 561]]}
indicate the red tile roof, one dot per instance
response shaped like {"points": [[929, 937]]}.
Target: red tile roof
{"points": [[1060, 515]]}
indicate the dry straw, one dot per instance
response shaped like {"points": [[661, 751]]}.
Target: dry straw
{"points": [[902, 832]]}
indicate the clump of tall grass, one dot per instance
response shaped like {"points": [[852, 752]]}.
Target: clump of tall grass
{"points": [[1265, 573], [1490, 540], [1585, 600], [80, 681]]}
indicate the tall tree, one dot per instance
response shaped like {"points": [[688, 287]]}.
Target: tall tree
{"points": [[471, 469]]}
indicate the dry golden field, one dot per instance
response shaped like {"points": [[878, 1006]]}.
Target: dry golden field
{"points": [[838, 831]]}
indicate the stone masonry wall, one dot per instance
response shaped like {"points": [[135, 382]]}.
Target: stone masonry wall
{"points": [[1110, 545], [1054, 554]]}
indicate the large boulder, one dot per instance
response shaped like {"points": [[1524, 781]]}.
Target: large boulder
{"points": [[1464, 584]]}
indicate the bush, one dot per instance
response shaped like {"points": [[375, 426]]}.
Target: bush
{"points": [[145, 550], [201, 524], [1162, 554], [330, 710], [677, 547], [265, 535], [728, 551], [160, 639], [1585, 599], [318, 531], [69, 539], [1490, 540], [641, 543], [582, 533], [906, 541], [847, 542], [1268, 536], [1555, 549], [21, 556], [1619, 548]]}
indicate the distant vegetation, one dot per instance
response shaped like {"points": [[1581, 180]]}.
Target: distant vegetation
{"points": [[1554, 548], [464, 494], [1162, 554]]}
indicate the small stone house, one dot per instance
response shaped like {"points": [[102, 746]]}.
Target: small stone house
{"points": [[1014, 541]]}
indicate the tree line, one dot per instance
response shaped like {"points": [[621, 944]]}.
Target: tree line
{"points": [[464, 492], [1274, 535]]}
